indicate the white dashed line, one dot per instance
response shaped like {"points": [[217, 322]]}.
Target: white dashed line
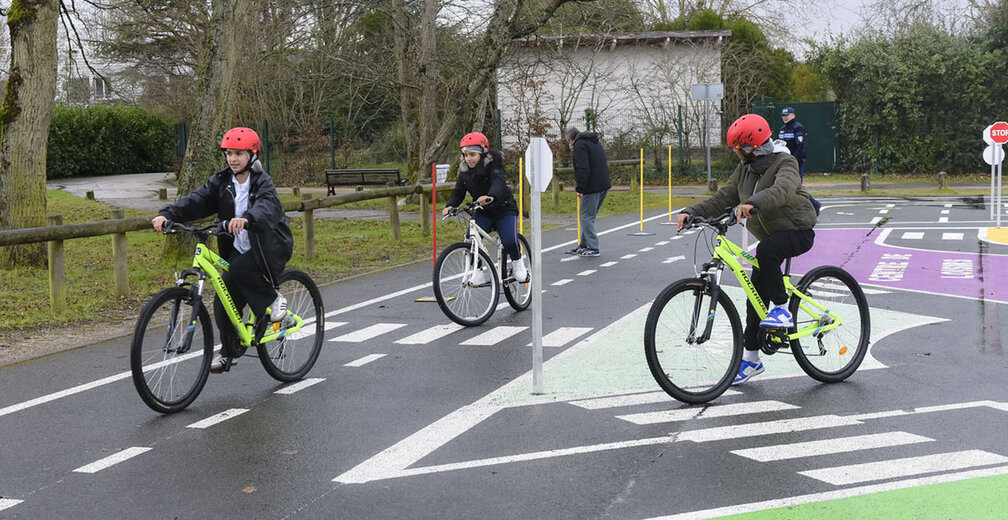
{"points": [[588, 272], [565, 281], [644, 249], [608, 264], [624, 257], [300, 385], [913, 235], [111, 460], [8, 502], [952, 236], [942, 220], [214, 419], [662, 243], [364, 360]]}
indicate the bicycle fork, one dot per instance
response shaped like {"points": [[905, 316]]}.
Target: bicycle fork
{"points": [[711, 283]]}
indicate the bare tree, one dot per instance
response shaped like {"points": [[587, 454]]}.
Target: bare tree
{"points": [[24, 123]]}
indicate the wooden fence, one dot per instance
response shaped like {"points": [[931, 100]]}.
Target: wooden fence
{"points": [[55, 233]]}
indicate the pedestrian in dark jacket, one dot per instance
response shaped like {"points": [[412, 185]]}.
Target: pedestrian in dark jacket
{"points": [[243, 195], [793, 134], [768, 191], [481, 174], [591, 175]]}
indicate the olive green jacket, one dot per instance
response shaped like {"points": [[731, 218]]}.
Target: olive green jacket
{"points": [[771, 184]]}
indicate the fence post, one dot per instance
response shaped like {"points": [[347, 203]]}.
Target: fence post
{"points": [[942, 181], [555, 186], [57, 270], [308, 216], [89, 195], [865, 183], [162, 193], [425, 212], [119, 268], [394, 214]]}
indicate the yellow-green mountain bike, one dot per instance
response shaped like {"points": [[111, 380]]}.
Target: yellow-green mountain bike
{"points": [[173, 345], [693, 334]]}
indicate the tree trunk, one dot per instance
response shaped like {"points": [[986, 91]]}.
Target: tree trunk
{"points": [[24, 124], [222, 55]]}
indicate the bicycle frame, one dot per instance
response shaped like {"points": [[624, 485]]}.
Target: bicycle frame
{"points": [[205, 265], [727, 253]]}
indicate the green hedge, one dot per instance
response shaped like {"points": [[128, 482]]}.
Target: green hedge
{"points": [[104, 140]]}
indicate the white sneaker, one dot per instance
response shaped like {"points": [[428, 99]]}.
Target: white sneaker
{"points": [[278, 309], [217, 366], [480, 278], [520, 272]]}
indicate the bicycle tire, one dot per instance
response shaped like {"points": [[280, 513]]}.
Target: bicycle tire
{"points": [[166, 374], [290, 357], [677, 365], [838, 291], [519, 294], [460, 301]]}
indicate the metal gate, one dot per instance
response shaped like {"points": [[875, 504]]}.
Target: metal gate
{"points": [[821, 146]]}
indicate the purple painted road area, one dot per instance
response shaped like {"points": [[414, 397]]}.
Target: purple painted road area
{"points": [[941, 272]]}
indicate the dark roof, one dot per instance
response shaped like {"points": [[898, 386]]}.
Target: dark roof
{"points": [[623, 38]]}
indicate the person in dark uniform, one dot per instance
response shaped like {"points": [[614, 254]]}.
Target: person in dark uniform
{"points": [[793, 133]]}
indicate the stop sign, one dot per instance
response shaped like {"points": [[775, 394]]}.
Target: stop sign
{"points": [[999, 132]]}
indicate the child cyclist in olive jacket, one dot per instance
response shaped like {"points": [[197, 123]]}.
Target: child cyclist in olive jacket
{"points": [[243, 195]]}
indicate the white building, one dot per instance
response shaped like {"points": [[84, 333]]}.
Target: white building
{"points": [[627, 87]]}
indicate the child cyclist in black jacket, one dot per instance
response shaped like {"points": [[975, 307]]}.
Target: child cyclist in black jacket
{"points": [[243, 195], [481, 174]]}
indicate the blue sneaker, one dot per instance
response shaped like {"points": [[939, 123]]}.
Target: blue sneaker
{"points": [[589, 252], [777, 318], [747, 371], [576, 251]]}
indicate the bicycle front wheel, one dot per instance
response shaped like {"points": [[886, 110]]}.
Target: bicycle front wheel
{"points": [[291, 356], [171, 350], [834, 355], [519, 294], [689, 371], [466, 290]]}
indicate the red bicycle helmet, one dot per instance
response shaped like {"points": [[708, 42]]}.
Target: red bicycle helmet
{"points": [[750, 129], [241, 138], [475, 139]]}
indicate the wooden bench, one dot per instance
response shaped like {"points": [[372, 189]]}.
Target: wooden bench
{"points": [[362, 176]]}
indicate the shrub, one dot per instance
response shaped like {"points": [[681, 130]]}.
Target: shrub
{"points": [[104, 140]]}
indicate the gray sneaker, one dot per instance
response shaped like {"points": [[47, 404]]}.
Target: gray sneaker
{"points": [[589, 252]]}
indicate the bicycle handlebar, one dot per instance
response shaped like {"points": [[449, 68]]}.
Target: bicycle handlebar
{"points": [[721, 223], [218, 228], [468, 207]]}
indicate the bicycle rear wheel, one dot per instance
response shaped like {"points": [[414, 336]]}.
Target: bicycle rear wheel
{"points": [[460, 299], [834, 355], [291, 356], [519, 294], [691, 372], [171, 350]]}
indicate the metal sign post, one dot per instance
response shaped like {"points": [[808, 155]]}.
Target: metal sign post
{"points": [[998, 134], [707, 92], [539, 171]]}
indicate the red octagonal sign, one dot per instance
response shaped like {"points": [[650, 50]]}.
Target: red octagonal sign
{"points": [[999, 132]]}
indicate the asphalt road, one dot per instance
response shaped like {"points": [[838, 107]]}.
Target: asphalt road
{"points": [[407, 416]]}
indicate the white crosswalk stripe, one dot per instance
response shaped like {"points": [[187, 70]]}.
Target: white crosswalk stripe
{"points": [[426, 336], [767, 428], [717, 410], [857, 473], [952, 236], [617, 401], [494, 336], [563, 336], [830, 446], [913, 235], [368, 332]]}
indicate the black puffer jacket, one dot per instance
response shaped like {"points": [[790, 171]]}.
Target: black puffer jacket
{"points": [[487, 178], [270, 236], [591, 171]]}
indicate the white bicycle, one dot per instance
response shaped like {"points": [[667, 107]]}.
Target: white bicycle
{"points": [[467, 281]]}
